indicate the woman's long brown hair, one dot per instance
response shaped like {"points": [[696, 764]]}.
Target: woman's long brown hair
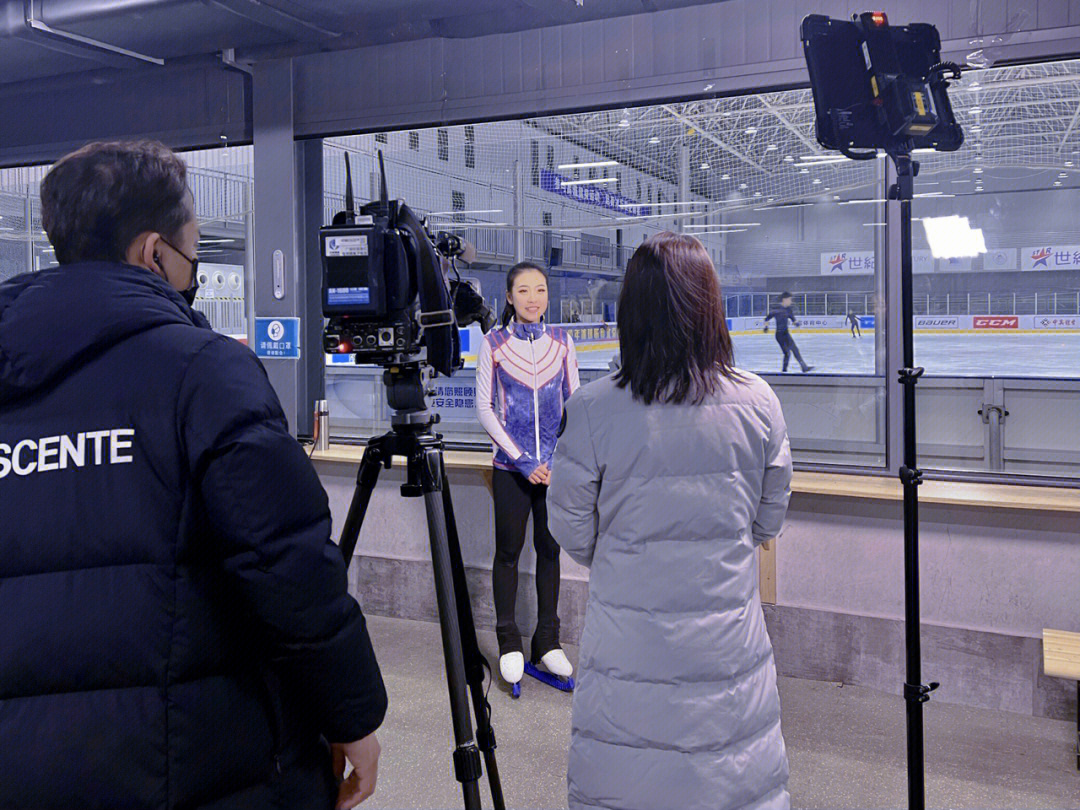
{"points": [[672, 330]]}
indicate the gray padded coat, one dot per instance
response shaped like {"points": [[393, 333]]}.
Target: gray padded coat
{"points": [[676, 703]]}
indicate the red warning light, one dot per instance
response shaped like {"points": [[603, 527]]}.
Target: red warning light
{"points": [[879, 18], [344, 347]]}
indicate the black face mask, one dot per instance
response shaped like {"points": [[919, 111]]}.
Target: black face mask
{"points": [[190, 293], [193, 289]]}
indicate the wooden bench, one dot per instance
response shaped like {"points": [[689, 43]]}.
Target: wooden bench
{"points": [[1061, 659]]}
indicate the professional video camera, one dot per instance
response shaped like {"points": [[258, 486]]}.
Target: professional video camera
{"points": [[388, 301], [385, 291]]}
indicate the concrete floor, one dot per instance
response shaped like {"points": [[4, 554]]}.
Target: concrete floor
{"points": [[846, 744]]}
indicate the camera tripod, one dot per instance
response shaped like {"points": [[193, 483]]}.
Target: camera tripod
{"points": [[412, 438], [916, 693]]}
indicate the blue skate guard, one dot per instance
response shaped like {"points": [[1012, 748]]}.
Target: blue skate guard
{"points": [[562, 684]]}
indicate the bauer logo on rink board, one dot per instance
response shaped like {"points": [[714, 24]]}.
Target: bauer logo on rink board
{"points": [[936, 322]]}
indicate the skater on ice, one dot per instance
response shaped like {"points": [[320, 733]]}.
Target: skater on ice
{"points": [[853, 319], [782, 315]]}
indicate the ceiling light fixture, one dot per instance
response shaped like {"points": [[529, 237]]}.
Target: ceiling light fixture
{"points": [[822, 158], [594, 181], [726, 225], [473, 211], [597, 164], [446, 226], [663, 204], [783, 205]]}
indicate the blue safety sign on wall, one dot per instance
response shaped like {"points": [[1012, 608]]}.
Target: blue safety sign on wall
{"points": [[277, 337]]}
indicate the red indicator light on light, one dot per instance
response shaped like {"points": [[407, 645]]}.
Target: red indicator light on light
{"points": [[344, 348], [879, 18]]}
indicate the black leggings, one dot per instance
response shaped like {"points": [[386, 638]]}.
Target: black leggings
{"points": [[787, 345], [515, 498]]}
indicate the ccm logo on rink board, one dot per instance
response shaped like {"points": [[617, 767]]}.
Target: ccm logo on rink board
{"points": [[997, 322], [90, 449]]}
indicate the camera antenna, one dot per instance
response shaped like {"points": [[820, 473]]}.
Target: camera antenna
{"points": [[384, 199], [350, 203]]}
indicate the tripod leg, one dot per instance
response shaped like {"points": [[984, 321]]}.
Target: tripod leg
{"points": [[366, 478], [467, 765], [475, 662]]}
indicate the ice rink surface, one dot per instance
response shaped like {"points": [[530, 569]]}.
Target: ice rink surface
{"points": [[965, 355]]}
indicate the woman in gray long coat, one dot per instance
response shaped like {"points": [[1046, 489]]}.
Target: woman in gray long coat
{"points": [[669, 474]]}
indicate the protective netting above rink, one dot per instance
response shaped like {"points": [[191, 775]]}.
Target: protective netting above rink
{"points": [[697, 162]]}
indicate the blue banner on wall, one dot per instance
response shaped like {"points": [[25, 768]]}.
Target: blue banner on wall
{"points": [[589, 194], [866, 321]]}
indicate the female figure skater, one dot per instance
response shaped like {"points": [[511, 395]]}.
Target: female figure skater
{"points": [[525, 372]]}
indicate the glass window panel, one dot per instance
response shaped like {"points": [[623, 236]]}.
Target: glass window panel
{"points": [[998, 332], [221, 184], [514, 206]]}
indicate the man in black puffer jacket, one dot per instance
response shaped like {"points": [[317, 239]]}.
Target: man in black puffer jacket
{"points": [[175, 629]]}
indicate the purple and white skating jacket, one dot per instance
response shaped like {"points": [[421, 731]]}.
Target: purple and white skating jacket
{"points": [[524, 375]]}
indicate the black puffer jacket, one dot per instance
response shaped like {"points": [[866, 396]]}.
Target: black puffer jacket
{"points": [[175, 630]]}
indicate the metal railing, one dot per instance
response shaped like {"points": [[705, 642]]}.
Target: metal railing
{"points": [[756, 305], [1066, 302]]}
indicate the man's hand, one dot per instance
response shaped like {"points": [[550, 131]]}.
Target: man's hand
{"points": [[363, 755], [541, 475]]}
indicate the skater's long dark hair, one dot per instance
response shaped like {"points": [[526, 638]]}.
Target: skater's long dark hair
{"points": [[511, 277], [673, 334]]}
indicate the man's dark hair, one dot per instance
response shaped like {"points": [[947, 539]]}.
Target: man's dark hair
{"points": [[96, 200], [673, 334], [785, 294]]}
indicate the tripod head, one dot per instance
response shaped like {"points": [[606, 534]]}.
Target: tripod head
{"points": [[406, 387]]}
